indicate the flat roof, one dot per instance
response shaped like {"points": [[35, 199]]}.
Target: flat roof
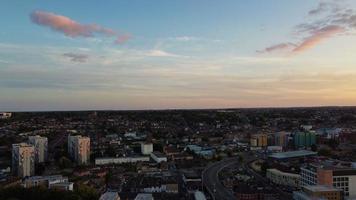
{"points": [[158, 154], [321, 188], [293, 154]]}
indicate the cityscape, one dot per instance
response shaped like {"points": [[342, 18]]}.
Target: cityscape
{"points": [[178, 100], [285, 153]]}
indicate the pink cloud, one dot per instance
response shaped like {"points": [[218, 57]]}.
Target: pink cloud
{"points": [[278, 47], [122, 38], [334, 19], [317, 37], [70, 27]]}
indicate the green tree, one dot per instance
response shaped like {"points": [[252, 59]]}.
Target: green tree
{"points": [[86, 192]]}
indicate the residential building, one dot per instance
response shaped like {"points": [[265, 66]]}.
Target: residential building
{"points": [[281, 139], [304, 139], [258, 140], [41, 146], [5, 115], [79, 149], [23, 159]]}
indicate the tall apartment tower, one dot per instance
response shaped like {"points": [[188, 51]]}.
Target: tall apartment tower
{"points": [[41, 146], [23, 159], [79, 149]]}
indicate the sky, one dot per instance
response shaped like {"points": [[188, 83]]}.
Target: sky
{"points": [[176, 54]]}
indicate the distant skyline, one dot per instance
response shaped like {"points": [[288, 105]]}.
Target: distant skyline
{"points": [[159, 54]]}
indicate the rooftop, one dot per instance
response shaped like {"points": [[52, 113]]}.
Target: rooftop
{"points": [[321, 188], [109, 196], [144, 196], [293, 154]]}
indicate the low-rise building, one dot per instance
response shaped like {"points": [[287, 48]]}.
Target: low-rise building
{"points": [[54, 181], [5, 115], [146, 148], [144, 196], [318, 192], [110, 196], [283, 178], [158, 157], [120, 160]]}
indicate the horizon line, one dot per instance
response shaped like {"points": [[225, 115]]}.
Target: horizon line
{"points": [[182, 109]]}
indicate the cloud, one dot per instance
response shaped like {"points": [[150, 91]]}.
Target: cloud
{"points": [[185, 38], [122, 39], [278, 47], [74, 57], [338, 20], [161, 53], [324, 7], [318, 36], [72, 28]]}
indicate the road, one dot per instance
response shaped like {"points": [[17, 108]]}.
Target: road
{"points": [[216, 188], [212, 183]]}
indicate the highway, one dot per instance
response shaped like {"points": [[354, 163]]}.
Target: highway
{"points": [[212, 183], [217, 190]]}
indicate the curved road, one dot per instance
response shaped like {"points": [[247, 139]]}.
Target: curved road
{"points": [[212, 183]]}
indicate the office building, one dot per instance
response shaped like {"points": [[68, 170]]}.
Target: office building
{"points": [[331, 173], [283, 178], [23, 159], [41, 145], [79, 149], [318, 192]]}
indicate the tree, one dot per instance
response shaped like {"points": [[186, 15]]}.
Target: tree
{"points": [[86, 192], [264, 167], [64, 162], [314, 147], [241, 159], [324, 152]]}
